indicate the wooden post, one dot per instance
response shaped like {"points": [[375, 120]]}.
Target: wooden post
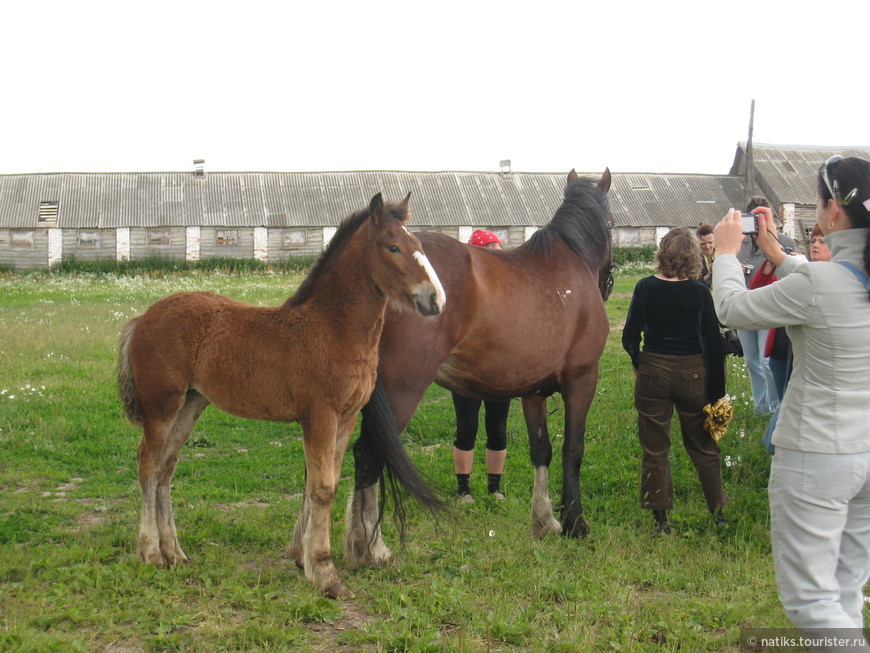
{"points": [[750, 172]]}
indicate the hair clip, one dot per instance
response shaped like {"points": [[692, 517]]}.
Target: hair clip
{"points": [[845, 201]]}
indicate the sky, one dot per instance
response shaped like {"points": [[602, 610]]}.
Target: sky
{"points": [[95, 86]]}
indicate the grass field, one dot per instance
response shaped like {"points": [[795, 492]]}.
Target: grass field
{"points": [[472, 579]]}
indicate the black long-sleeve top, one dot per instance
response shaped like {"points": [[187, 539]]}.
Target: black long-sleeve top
{"points": [[678, 318]]}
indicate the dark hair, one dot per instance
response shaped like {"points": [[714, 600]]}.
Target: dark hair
{"points": [[581, 222], [755, 201], [704, 230], [679, 254], [850, 174]]}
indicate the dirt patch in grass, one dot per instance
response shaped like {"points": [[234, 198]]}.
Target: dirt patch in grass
{"points": [[226, 507], [124, 647], [87, 519], [353, 618]]}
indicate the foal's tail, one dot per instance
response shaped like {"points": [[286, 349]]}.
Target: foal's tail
{"points": [[383, 435], [126, 388]]}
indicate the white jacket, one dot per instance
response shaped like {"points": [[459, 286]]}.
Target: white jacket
{"points": [[826, 312]]}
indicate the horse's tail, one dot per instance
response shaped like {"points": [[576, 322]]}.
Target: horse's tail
{"points": [[126, 387], [380, 431]]}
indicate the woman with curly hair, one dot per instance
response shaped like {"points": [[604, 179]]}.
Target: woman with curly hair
{"points": [[682, 367]]}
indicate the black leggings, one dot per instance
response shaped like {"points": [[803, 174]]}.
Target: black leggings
{"points": [[495, 421]]}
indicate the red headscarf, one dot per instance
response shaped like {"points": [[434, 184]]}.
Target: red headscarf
{"points": [[481, 238]]}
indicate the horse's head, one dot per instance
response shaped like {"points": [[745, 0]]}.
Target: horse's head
{"points": [[400, 267], [605, 271]]}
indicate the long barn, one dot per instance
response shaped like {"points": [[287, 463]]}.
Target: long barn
{"points": [[270, 216]]}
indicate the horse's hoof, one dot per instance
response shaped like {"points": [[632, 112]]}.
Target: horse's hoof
{"points": [[579, 529], [540, 529], [373, 555], [338, 591], [173, 558], [295, 556], [153, 558], [176, 558]]}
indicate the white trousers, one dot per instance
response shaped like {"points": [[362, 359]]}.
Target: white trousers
{"points": [[820, 528]]}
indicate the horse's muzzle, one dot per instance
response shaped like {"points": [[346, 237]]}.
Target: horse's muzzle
{"points": [[427, 302]]}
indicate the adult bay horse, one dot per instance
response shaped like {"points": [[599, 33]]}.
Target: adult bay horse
{"points": [[312, 360], [526, 322]]}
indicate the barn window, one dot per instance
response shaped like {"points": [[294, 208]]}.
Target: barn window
{"points": [[227, 237], [157, 239], [88, 239], [47, 215], [22, 239], [294, 238]]}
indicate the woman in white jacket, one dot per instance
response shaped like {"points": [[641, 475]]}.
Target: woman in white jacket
{"points": [[819, 488]]}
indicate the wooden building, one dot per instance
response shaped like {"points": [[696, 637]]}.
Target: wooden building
{"points": [[270, 216]]}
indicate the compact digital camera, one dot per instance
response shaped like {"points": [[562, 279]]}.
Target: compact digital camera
{"points": [[750, 223]]}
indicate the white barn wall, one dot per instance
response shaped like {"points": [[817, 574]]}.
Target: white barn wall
{"points": [[122, 243]]}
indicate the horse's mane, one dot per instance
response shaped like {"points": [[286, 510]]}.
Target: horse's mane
{"points": [[581, 223], [348, 227]]}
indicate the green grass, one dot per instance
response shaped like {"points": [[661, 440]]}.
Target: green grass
{"points": [[469, 580], [160, 265]]}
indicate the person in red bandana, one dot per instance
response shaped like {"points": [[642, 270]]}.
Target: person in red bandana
{"points": [[487, 239], [467, 416]]}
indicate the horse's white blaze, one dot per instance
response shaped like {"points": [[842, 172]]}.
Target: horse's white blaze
{"points": [[440, 295]]}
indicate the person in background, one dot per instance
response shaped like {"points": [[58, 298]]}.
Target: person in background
{"points": [[818, 251], [779, 356], [819, 487], [705, 236], [467, 412], [764, 394], [681, 367]]}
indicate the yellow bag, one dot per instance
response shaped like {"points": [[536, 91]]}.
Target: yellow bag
{"points": [[719, 415]]}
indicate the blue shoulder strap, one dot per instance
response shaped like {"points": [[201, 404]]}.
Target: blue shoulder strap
{"points": [[860, 276]]}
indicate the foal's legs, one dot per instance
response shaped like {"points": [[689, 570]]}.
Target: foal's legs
{"points": [[162, 439], [324, 442], [541, 451]]}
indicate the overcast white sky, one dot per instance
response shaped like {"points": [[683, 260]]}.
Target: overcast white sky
{"points": [[407, 85]]}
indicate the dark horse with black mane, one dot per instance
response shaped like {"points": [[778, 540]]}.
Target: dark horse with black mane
{"points": [[527, 323]]}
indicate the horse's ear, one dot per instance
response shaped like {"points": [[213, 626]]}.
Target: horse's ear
{"points": [[572, 176], [403, 207], [604, 183], [376, 208]]}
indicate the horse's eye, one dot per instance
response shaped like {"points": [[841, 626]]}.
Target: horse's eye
{"points": [[394, 249]]}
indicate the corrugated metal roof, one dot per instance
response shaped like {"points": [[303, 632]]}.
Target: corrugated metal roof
{"points": [[787, 173], [439, 199], [665, 199]]}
